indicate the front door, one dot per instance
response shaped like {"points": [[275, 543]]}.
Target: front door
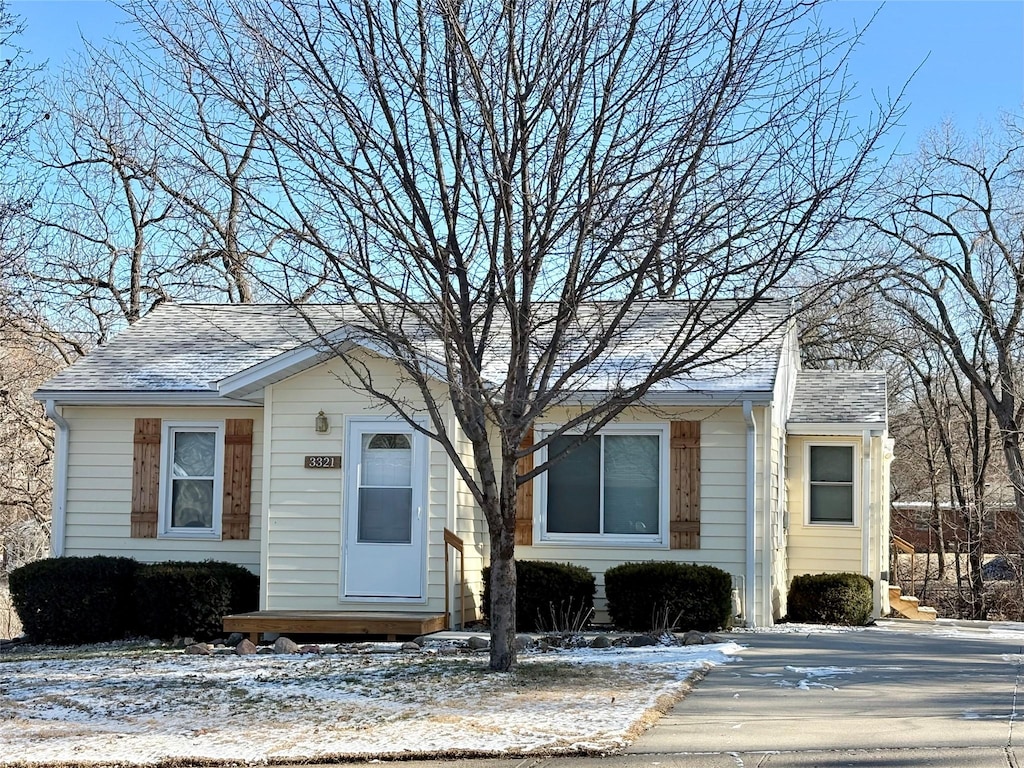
{"points": [[385, 515]]}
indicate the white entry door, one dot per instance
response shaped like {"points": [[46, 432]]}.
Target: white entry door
{"points": [[385, 511]]}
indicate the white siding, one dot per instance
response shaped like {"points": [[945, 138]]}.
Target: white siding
{"points": [[99, 487], [306, 506], [471, 527], [822, 548], [722, 502]]}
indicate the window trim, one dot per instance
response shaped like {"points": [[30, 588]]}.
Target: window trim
{"points": [[659, 540], [167, 431], [854, 482]]}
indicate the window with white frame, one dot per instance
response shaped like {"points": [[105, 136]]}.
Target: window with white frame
{"points": [[610, 485], [831, 489], [191, 482]]}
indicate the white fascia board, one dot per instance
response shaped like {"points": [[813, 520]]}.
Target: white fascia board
{"points": [[682, 398], [154, 398], [828, 428], [256, 377]]}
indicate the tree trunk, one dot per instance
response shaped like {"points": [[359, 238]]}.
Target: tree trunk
{"points": [[503, 600]]}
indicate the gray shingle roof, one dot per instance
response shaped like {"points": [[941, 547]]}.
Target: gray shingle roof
{"points": [[824, 397], [190, 347]]}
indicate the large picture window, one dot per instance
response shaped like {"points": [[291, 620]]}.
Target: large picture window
{"points": [[192, 481], [831, 484], [609, 485]]}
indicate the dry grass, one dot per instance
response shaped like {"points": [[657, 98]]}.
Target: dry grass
{"points": [[9, 624]]}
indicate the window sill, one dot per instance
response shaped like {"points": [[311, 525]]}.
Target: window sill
{"points": [[190, 535], [602, 542]]}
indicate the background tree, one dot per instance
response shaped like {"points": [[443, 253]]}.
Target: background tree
{"points": [[480, 174], [955, 231]]}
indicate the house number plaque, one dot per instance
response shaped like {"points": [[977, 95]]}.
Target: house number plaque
{"points": [[323, 462]]}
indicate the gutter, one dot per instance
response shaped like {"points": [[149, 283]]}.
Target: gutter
{"points": [[60, 478], [749, 599]]}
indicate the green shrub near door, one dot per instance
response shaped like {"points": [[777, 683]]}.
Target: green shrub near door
{"points": [[667, 595], [831, 598], [72, 600]]}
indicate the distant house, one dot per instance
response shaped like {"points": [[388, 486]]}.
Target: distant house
{"points": [[229, 432]]}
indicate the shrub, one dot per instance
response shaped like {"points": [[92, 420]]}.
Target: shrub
{"points": [[189, 599], [549, 596], [831, 598], [664, 595], [75, 599]]}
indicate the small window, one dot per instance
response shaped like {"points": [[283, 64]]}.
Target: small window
{"points": [[192, 481], [831, 486], [610, 485]]}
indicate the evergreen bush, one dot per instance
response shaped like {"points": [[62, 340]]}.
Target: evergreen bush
{"points": [[549, 596], [70, 600], [179, 599], [666, 595], [831, 598]]}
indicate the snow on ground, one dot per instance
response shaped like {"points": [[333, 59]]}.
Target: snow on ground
{"points": [[145, 706]]}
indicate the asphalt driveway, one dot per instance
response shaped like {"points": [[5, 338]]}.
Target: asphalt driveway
{"points": [[895, 695]]}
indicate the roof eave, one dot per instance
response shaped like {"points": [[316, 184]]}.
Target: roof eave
{"points": [[834, 427], [680, 397], [140, 398]]}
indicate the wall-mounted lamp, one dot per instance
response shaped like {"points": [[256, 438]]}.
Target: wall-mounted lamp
{"points": [[323, 426]]}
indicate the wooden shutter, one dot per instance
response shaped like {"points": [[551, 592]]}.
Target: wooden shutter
{"points": [[146, 479], [237, 478], [684, 491], [524, 496]]}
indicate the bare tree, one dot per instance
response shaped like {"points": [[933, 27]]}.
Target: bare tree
{"points": [[501, 188], [956, 229]]}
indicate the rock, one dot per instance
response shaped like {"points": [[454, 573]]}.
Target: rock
{"points": [[187, 641], [411, 647], [640, 641], [234, 639], [284, 645], [601, 641], [477, 643], [713, 639], [198, 649], [314, 649], [420, 641], [522, 642], [245, 647], [265, 649], [693, 637], [270, 637], [554, 641]]}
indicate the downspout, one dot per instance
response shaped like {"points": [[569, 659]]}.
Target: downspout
{"points": [[60, 478], [768, 537], [749, 600], [866, 514]]}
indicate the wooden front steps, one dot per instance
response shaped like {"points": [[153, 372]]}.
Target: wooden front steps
{"points": [[909, 606], [393, 625]]}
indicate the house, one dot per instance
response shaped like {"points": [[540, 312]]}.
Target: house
{"points": [[232, 432]]}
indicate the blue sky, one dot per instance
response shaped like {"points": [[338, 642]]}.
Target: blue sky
{"points": [[970, 52]]}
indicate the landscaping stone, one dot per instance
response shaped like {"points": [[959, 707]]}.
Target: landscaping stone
{"points": [[601, 641], [265, 649], [234, 639], [198, 649], [245, 647], [640, 641], [523, 642], [411, 647], [693, 637], [270, 637], [284, 645], [477, 643], [420, 641], [314, 649]]}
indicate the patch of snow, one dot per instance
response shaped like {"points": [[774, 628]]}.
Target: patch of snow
{"points": [[139, 709]]}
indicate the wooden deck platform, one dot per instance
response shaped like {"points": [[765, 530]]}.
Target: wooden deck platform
{"points": [[392, 625]]}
